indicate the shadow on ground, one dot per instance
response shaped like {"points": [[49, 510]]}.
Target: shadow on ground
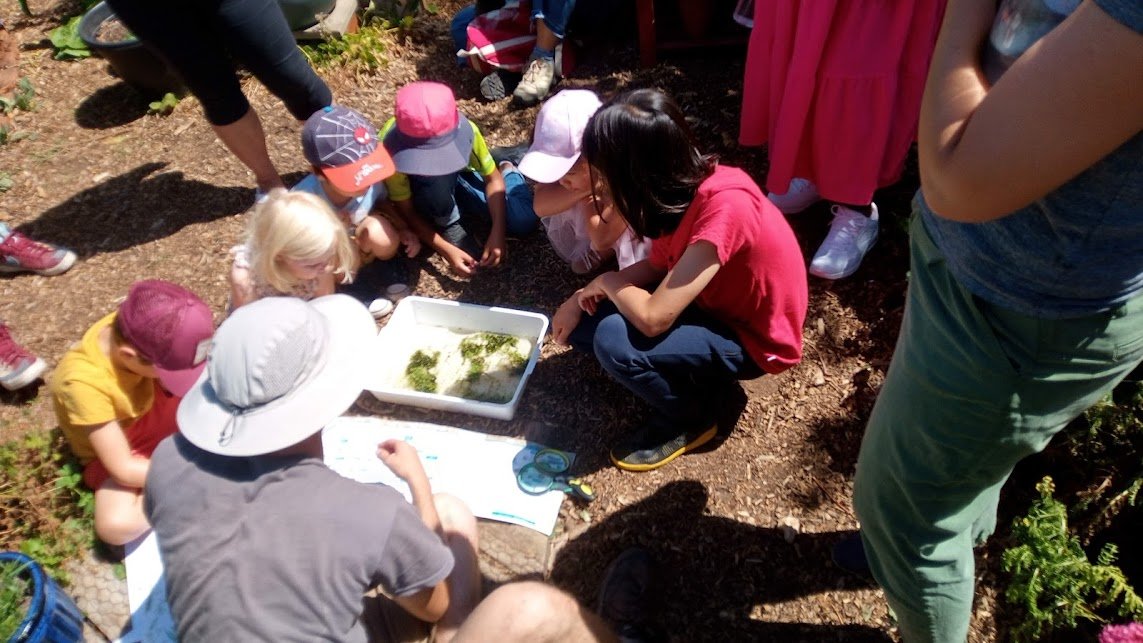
{"points": [[713, 586], [112, 106], [136, 207]]}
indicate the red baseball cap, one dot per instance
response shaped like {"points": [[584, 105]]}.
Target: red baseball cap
{"points": [[431, 138], [170, 327], [344, 144]]}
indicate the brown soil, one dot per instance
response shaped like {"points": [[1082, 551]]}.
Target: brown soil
{"points": [[743, 530], [113, 30]]}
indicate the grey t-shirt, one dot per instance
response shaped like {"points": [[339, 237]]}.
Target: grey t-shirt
{"points": [[1077, 251], [280, 549]]}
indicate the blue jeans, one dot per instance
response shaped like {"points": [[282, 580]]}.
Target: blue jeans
{"points": [[679, 372], [554, 13], [444, 199]]}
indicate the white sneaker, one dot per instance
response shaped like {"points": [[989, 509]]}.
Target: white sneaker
{"points": [[801, 194], [380, 307], [850, 236], [537, 82]]}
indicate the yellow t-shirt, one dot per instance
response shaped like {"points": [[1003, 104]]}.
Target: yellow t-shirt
{"points": [[480, 161], [88, 390]]}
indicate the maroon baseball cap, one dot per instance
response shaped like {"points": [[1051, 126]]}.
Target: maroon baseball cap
{"points": [[170, 327]]}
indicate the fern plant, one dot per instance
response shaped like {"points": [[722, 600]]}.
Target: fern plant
{"points": [[1052, 578]]}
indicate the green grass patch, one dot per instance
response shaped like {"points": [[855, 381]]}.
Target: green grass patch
{"points": [[45, 509]]}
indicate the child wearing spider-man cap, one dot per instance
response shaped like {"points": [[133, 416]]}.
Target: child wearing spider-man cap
{"points": [[349, 164]]}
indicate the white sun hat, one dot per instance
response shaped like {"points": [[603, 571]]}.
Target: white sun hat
{"points": [[279, 370]]}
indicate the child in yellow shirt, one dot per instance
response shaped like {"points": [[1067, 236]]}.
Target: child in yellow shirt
{"points": [[115, 395]]}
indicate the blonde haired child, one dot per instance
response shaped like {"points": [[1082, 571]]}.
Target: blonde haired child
{"points": [[296, 247]]}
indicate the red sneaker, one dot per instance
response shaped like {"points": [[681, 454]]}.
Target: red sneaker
{"points": [[21, 254], [18, 367]]}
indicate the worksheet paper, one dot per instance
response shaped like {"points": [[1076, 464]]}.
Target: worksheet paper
{"points": [[479, 469]]}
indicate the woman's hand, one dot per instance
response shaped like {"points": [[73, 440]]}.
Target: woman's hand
{"points": [[565, 320], [402, 460]]}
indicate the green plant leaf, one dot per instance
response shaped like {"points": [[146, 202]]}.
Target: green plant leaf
{"points": [[65, 38], [6, 182], [164, 106]]}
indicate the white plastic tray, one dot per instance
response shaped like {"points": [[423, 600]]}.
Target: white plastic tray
{"points": [[411, 312]]}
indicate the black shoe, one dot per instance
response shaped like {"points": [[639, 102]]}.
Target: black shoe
{"points": [[626, 597], [849, 554], [653, 446], [512, 154], [499, 84]]}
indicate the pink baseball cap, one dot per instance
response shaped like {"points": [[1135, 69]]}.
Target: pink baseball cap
{"points": [[431, 137], [558, 138], [170, 327]]}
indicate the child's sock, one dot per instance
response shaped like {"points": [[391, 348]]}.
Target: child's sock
{"points": [[547, 54]]}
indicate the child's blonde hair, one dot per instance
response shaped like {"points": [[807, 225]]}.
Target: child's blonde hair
{"points": [[298, 226]]}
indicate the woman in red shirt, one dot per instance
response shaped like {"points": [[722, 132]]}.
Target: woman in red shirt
{"points": [[721, 298]]}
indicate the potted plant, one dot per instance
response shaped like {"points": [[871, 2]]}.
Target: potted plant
{"points": [[33, 606], [139, 66]]}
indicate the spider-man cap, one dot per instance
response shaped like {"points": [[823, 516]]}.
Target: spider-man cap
{"points": [[344, 145]]}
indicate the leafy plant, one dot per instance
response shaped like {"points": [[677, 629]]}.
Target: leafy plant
{"points": [[6, 182], [45, 509], [22, 99], [163, 106], [1052, 578], [65, 38], [13, 598], [359, 52]]}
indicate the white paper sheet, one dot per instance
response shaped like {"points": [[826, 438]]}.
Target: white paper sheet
{"points": [[151, 620], [479, 469]]}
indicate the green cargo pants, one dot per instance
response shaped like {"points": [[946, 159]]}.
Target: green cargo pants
{"points": [[971, 390]]}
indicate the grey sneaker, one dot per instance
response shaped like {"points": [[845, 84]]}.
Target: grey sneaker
{"points": [[539, 76], [851, 235], [18, 367], [627, 597]]}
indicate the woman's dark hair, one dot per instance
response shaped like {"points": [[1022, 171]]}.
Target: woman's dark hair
{"points": [[641, 143]]}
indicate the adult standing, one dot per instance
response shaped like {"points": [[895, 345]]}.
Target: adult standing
{"points": [[1024, 304], [202, 40], [834, 88]]}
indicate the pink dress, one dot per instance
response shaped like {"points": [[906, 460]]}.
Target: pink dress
{"points": [[834, 87]]}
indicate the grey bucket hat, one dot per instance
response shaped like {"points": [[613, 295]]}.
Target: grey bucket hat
{"points": [[279, 370]]}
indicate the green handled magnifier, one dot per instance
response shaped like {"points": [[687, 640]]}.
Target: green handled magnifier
{"points": [[547, 471]]}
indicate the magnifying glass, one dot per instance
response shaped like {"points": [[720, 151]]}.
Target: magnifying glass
{"points": [[546, 472]]}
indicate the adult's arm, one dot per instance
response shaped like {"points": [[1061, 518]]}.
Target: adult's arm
{"points": [[653, 313], [1068, 101]]}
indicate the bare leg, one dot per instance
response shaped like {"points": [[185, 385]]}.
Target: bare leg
{"points": [[460, 536], [119, 517], [545, 39], [535, 613], [246, 140]]}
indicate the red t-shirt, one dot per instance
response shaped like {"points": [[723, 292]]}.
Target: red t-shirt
{"points": [[760, 290]]}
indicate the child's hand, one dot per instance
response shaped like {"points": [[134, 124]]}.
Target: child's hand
{"points": [[566, 319], [411, 242], [591, 295], [493, 249], [459, 261], [402, 460]]}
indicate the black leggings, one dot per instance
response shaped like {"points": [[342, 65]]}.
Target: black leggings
{"points": [[200, 37]]}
